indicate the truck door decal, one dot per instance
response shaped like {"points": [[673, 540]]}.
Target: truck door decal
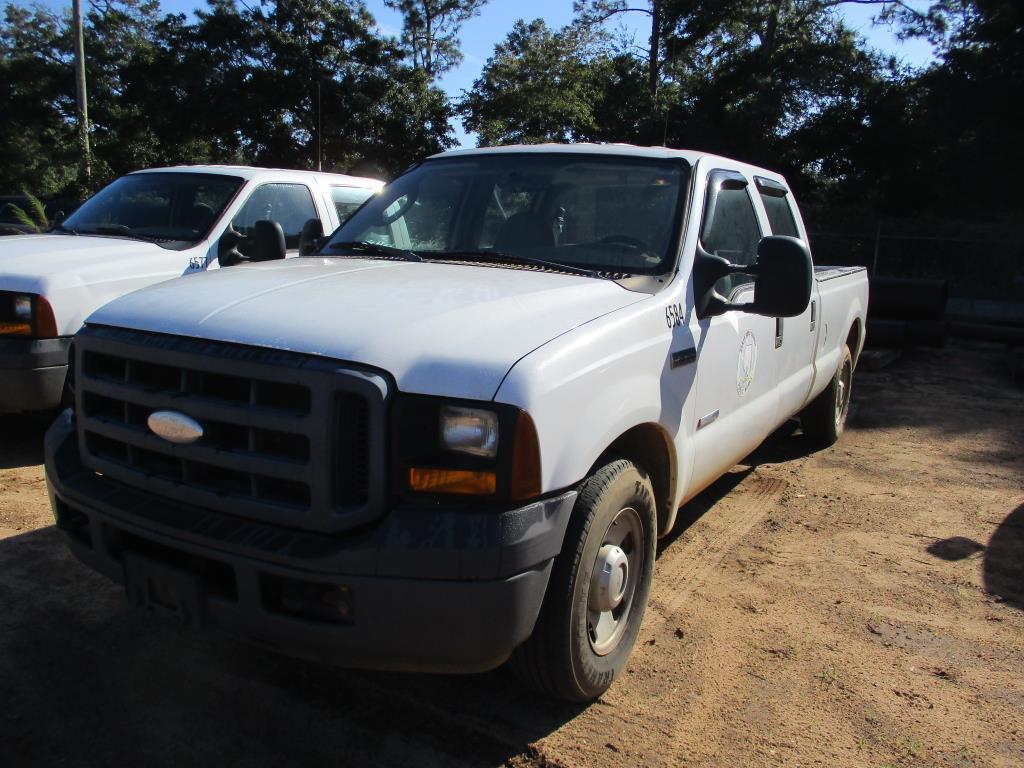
{"points": [[747, 363]]}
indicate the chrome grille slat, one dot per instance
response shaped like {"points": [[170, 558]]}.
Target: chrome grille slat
{"points": [[271, 445]]}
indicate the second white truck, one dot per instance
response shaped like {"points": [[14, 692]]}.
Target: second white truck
{"points": [[453, 435], [141, 229]]}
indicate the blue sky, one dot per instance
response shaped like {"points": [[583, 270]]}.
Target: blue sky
{"points": [[479, 35]]}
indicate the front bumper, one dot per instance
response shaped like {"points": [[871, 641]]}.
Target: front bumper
{"points": [[430, 588], [32, 373]]}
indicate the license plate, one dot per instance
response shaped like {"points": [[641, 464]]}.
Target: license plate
{"points": [[162, 590]]}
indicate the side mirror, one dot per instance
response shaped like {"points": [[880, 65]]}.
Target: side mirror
{"points": [[267, 241], [783, 277], [311, 238], [227, 248]]}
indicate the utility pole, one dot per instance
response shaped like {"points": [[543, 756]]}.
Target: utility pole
{"points": [[83, 107], [319, 130]]}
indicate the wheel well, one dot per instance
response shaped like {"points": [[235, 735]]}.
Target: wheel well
{"points": [[650, 448], [853, 340]]}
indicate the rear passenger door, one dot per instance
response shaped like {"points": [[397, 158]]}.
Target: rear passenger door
{"points": [[795, 337], [736, 399]]}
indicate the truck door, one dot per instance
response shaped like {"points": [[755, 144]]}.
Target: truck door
{"points": [[736, 398], [795, 337]]}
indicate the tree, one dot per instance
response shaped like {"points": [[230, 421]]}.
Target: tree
{"points": [[540, 85], [430, 31]]}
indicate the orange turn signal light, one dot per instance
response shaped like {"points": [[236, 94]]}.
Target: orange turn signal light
{"points": [[15, 329], [427, 480]]}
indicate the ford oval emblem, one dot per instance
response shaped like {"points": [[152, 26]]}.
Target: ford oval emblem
{"points": [[175, 427]]}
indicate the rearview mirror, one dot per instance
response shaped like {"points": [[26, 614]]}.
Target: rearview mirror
{"points": [[783, 276], [268, 241], [311, 238]]}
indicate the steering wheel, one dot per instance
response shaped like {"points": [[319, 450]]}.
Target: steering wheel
{"points": [[633, 243]]}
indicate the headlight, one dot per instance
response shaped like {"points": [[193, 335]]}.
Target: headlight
{"points": [[26, 314], [23, 308], [468, 448], [469, 430]]}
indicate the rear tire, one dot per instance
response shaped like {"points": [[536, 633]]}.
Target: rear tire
{"points": [[824, 419], [598, 590]]}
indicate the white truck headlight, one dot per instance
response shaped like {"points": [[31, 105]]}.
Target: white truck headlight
{"points": [[23, 308], [469, 430]]}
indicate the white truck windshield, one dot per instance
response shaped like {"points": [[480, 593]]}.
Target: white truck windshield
{"points": [[614, 214], [171, 209]]}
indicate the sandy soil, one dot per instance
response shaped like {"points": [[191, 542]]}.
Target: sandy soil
{"points": [[860, 606]]}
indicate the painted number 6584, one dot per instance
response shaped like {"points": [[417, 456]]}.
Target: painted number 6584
{"points": [[674, 315]]}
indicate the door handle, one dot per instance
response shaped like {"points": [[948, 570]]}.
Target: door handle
{"points": [[778, 332], [813, 313]]}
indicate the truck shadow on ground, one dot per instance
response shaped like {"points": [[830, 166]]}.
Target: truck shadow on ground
{"points": [[21, 438], [89, 682]]}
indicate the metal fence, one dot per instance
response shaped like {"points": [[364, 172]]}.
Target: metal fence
{"points": [[983, 264]]}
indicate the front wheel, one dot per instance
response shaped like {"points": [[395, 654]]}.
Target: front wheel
{"points": [[598, 590], [824, 419]]}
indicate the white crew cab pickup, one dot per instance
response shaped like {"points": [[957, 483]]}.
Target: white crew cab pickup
{"points": [[141, 229], [452, 436]]}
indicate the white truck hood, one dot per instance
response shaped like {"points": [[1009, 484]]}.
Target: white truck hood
{"points": [[445, 329], [38, 263], [78, 274]]}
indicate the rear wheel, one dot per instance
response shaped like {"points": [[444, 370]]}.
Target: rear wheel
{"points": [[824, 419], [598, 590]]}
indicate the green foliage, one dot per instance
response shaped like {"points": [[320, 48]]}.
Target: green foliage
{"points": [[266, 84], [34, 219]]}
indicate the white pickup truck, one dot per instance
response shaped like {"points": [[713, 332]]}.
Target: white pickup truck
{"points": [[141, 229], [453, 435]]}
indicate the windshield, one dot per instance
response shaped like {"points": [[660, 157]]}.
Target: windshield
{"points": [[171, 209], [588, 211]]}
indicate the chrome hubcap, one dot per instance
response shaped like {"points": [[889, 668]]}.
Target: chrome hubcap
{"points": [[843, 395], [613, 582]]}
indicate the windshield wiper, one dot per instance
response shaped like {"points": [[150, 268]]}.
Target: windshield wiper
{"points": [[500, 257], [115, 230], [375, 249]]}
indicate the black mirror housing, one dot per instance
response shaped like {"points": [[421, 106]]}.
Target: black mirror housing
{"points": [[311, 238], [783, 277], [268, 241], [227, 248]]}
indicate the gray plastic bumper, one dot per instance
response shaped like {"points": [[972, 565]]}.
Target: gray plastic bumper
{"points": [[32, 373]]}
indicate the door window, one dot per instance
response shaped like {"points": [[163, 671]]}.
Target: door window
{"points": [[290, 205], [780, 215], [347, 199], [733, 234]]}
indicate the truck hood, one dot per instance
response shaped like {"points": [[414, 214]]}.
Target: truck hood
{"points": [[443, 329], [44, 263]]}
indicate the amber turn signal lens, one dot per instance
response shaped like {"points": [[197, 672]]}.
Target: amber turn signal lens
{"points": [[15, 329], [452, 481], [525, 482]]}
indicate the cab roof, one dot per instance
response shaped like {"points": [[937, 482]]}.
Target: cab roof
{"points": [[252, 173], [691, 156]]}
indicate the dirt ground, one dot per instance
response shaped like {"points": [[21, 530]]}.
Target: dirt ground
{"points": [[859, 606]]}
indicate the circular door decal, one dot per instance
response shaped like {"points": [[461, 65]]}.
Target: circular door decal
{"points": [[746, 364]]}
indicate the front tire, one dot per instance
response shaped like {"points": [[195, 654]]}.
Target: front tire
{"points": [[824, 419], [598, 589]]}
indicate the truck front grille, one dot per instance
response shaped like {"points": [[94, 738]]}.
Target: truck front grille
{"points": [[287, 438]]}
